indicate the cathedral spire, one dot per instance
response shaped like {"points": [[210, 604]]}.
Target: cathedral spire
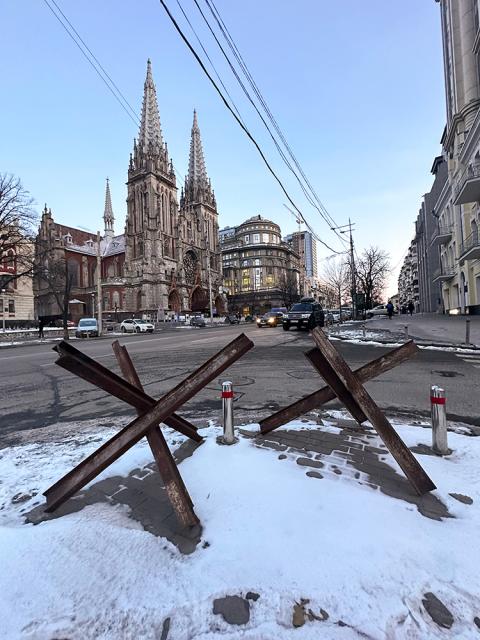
{"points": [[108, 217], [197, 187], [150, 134]]}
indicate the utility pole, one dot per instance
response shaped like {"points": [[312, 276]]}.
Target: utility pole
{"points": [[303, 268], [343, 229], [352, 267], [99, 286]]}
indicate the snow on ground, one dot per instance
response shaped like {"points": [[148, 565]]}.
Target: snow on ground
{"points": [[362, 556]]}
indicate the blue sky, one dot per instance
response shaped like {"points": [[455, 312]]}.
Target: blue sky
{"points": [[357, 88]]}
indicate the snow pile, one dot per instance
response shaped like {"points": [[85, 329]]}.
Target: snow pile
{"points": [[363, 557]]}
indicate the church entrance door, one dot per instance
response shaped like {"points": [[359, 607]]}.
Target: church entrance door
{"points": [[198, 299], [174, 303]]}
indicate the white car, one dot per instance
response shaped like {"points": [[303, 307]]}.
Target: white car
{"points": [[137, 326], [379, 310]]}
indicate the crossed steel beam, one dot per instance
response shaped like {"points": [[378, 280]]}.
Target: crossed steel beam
{"points": [[151, 413], [348, 387]]}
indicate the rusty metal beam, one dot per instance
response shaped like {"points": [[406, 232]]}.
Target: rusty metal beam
{"points": [[330, 376], [93, 372], [402, 454], [174, 486], [325, 394], [133, 432]]}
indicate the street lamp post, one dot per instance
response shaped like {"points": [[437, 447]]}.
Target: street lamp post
{"points": [[3, 309]]}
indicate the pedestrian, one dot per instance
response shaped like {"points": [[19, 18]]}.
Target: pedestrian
{"points": [[390, 309], [40, 329], [410, 307]]}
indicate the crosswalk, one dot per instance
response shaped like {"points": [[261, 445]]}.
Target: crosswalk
{"points": [[471, 358]]}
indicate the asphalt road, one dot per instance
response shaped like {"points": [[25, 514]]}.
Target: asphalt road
{"points": [[35, 394]]}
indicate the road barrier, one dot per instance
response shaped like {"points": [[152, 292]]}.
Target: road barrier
{"points": [[467, 331], [439, 420], [405, 326]]}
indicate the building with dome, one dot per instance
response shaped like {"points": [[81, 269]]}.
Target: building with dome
{"points": [[260, 271]]}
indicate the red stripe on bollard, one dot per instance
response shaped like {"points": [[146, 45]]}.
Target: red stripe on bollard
{"points": [[438, 400], [227, 394]]}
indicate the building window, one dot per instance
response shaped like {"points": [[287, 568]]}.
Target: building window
{"points": [[256, 238], [257, 262], [265, 237], [246, 239], [11, 306]]}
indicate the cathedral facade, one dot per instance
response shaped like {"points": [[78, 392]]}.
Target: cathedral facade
{"points": [[168, 259], [172, 257]]}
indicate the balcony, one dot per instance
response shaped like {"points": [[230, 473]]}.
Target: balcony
{"points": [[444, 274], [442, 235], [468, 187], [470, 248]]}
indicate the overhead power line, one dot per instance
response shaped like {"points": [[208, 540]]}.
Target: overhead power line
{"points": [[316, 202], [250, 99], [93, 61], [243, 127]]}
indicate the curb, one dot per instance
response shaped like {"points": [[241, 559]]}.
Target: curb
{"points": [[419, 341]]}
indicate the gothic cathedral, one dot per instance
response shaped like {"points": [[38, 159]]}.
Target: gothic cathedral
{"points": [[172, 258]]}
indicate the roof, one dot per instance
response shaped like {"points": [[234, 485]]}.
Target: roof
{"points": [[107, 247]]}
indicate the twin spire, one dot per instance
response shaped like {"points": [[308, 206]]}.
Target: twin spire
{"points": [[150, 134], [150, 151]]}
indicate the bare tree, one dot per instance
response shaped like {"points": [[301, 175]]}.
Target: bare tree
{"points": [[336, 279], [55, 276], [18, 222], [327, 295], [288, 287], [372, 270]]}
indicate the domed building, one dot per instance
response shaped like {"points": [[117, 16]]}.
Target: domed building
{"points": [[260, 271]]}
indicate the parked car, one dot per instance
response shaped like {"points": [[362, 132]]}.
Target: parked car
{"points": [[270, 319], [328, 316], [232, 319], [379, 310], [87, 328], [306, 314], [197, 321], [132, 325]]}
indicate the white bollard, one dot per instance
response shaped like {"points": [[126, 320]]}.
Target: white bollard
{"points": [[227, 406], [439, 420], [467, 332]]}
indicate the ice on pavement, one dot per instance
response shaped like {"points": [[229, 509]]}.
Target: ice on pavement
{"points": [[362, 556]]}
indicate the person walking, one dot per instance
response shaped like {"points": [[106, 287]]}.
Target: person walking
{"points": [[410, 307], [40, 329], [390, 309]]}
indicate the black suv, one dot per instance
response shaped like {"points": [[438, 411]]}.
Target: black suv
{"points": [[306, 314]]}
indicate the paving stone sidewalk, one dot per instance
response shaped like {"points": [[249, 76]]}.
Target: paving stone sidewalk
{"points": [[349, 453], [355, 455]]}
